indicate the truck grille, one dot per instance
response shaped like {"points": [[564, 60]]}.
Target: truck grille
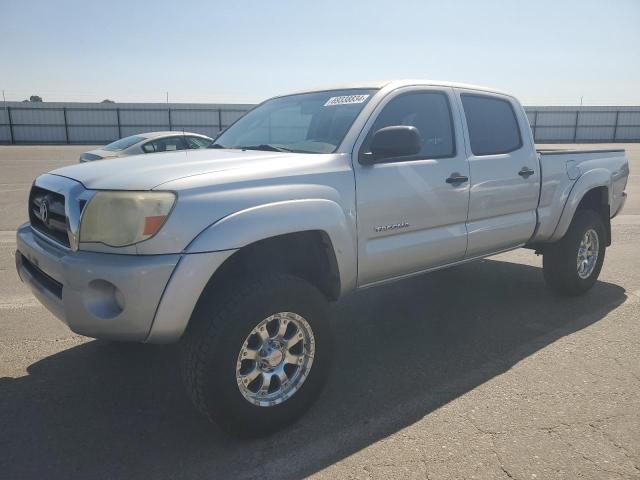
{"points": [[47, 214]]}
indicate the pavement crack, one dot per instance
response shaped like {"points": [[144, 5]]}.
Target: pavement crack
{"points": [[620, 447], [367, 470], [478, 428], [623, 367], [426, 468], [494, 451]]}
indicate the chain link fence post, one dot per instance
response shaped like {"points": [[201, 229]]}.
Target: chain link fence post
{"points": [[66, 125], [12, 139]]}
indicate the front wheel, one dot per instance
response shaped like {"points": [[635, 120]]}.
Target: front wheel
{"points": [[256, 357], [572, 265]]}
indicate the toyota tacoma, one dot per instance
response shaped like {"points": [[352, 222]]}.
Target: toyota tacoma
{"points": [[235, 251]]}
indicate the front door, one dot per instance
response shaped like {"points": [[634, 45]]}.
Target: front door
{"points": [[412, 210]]}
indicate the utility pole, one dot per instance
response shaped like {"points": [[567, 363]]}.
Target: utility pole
{"points": [[167, 97]]}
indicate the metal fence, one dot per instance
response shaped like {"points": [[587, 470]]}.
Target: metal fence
{"points": [[584, 124], [90, 123], [99, 123]]}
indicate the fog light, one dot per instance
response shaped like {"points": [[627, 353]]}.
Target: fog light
{"points": [[103, 299]]}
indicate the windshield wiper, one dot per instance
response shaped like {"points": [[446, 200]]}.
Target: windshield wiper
{"points": [[266, 147], [216, 145]]}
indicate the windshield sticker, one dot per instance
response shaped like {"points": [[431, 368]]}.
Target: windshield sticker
{"points": [[346, 100]]}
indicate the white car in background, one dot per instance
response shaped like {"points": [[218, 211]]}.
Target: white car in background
{"points": [[151, 142]]}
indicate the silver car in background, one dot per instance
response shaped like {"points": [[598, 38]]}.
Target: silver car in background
{"points": [[151, 142]]}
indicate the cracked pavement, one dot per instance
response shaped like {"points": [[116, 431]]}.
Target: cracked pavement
{"points": [[473, 372]]}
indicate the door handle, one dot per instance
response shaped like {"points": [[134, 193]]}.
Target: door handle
{"points": [[456, 179], [526, 172]]}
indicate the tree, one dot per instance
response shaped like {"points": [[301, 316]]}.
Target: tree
{"points": [[35, 98], [107, 100]]}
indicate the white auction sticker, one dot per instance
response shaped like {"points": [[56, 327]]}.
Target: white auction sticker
{"points": [[346, 100]]}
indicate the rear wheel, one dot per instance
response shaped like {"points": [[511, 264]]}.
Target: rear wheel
{"points": [[572, 265], [255, 359]]}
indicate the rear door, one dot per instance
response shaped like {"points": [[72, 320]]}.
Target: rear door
{"points": [[504, 172], [410, 216]]}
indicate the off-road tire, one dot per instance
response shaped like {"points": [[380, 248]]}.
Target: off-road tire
{"points": [[219, 326], [559, 259]]}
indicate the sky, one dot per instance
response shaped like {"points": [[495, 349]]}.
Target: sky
{"points": [[545, 52]]}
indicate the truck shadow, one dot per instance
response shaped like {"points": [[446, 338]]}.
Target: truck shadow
{"points": [[103, 410]]}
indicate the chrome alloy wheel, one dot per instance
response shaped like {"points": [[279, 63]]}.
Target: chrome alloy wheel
{"points": [[588, 254], [275, 359]]}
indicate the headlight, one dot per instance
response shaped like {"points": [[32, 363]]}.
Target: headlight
{"points": [[123, 218]]}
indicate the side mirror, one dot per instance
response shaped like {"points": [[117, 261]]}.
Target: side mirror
{"points": [[394, 141]]}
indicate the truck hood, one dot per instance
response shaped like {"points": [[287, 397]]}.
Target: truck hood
{"points": [[145, 172]]}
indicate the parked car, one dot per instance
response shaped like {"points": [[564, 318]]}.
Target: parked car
{"points": [[151, 142], [236, 252]]}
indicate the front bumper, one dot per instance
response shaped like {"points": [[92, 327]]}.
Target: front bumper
{"points": [[96, 294]]}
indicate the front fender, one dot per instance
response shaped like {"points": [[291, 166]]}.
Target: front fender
{"points": [[599, 177], [270, 220]]}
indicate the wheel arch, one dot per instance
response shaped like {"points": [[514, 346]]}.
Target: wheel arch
{"points": [[591, 191], [317, 221], [310, 238], [307, 254]]}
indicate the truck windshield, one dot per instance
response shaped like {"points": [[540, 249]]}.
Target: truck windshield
{"points": [[308, 122]]}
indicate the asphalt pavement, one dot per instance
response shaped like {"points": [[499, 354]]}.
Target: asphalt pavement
{"points": [[478, 371]]}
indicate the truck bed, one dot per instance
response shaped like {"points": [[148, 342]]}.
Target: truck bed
{"points": [[563, 168]]}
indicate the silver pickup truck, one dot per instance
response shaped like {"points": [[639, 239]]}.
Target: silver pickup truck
{"points": [[236, 250]]}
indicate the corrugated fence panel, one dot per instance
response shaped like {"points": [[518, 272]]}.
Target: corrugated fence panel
{"points": [[556, 119], [32, 116], [229, 117], [629, 134], [39, 134], [195, 117], [557, 134], [153, 118], [93, 134], [86, 117], [591, 134], [52, 122], [585, 124], [597, 119], [629, 118]]}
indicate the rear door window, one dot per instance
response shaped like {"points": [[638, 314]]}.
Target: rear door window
{"points": [[492, 124], [167, 144]]}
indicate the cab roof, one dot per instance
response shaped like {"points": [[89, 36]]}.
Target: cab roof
{"points": [[379, 84]]}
